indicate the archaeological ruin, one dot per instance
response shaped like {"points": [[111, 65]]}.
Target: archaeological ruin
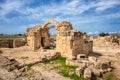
{"points": [[106, 41], [69, 42], [70, 51]]}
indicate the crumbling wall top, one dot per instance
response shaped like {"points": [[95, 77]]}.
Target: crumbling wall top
{"points": [[33, 30], [64, 26]]}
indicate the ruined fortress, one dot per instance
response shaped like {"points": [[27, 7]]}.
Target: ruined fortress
{"points": [[69, 42]]}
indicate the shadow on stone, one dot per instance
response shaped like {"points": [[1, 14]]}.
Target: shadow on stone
{"points": [[95, 54], [1, 52]]}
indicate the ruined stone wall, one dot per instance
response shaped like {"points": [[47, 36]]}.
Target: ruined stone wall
{"points": [[77, 42], [12, 43], [107, 41], [37, 37], [63, 44], [8, 43], [87, 47], [19, 42], [69, 42], [31, 41]]}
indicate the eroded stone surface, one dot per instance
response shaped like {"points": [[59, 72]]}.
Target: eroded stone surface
{"points": [[69, 42], [106, 41], [88, 73]]}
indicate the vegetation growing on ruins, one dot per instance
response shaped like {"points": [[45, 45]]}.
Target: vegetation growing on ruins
{"points": [[111, 76], [24, 57], [29, 66], [63, 69]]}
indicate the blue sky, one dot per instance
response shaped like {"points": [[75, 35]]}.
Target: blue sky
{"points": [[91, 16]]}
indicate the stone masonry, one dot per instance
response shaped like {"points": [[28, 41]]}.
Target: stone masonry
{"points": [[69, 42], [107, 41]]}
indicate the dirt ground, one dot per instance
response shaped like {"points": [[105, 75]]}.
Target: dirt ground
{"points": [[25, 56], [110, 54]]}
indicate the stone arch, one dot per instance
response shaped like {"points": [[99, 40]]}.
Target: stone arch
{"points": [[50, 22]]}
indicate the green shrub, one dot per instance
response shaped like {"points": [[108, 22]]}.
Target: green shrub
{"points": [[24, 57], [103, 34], [110, 76], [29, 66]]}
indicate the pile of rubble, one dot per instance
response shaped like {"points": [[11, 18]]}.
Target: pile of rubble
{"points": [[106, 41], [49, 55], [90, 67], [10, 69]]}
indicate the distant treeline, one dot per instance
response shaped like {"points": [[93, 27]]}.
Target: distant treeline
{"points": [[12, 35], [103, 34]]}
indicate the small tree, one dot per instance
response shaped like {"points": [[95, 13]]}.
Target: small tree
{"points": [[103, 34], [19, 34], [1, 34]]}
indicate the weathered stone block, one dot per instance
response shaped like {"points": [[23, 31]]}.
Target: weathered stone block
{"points": [[87, 73]]}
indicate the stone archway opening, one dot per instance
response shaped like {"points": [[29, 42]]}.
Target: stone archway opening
{"points": [[52, 39], [42, 41], [52, 31]]}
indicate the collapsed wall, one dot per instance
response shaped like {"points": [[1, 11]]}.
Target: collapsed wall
{"points": [[12, 43], [107, 41]]}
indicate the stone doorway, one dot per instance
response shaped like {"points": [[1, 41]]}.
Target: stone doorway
{"points": [[10, 43], [52, 38], [42, 41]]}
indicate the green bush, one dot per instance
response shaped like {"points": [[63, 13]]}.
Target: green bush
{"points": [[103, 34], [111, 76], [24, 57]]}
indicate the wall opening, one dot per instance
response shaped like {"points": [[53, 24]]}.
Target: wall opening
{"points": [[10, 43], [42, 41], [52, 40]]}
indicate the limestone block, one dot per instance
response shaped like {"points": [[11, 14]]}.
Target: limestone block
{"points": [[79, 71], [97, 72], [87, 74], [102, 64], [92, 59]]}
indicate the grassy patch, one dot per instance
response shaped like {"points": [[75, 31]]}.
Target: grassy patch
{"points": [[29, 66], [110, 76], [63, 69], [24, 57]]}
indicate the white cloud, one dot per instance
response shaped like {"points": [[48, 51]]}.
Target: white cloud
{"points": [[114, 32], [90, 33], [71, 11], [105, 4], [10, 6], [74, 7], [93, 33]]}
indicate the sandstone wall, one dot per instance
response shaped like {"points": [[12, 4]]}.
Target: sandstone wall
{"points": [[12, 43], [88, 47], [19, 42], [37, 37], [107, 41], [69, 42]]}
